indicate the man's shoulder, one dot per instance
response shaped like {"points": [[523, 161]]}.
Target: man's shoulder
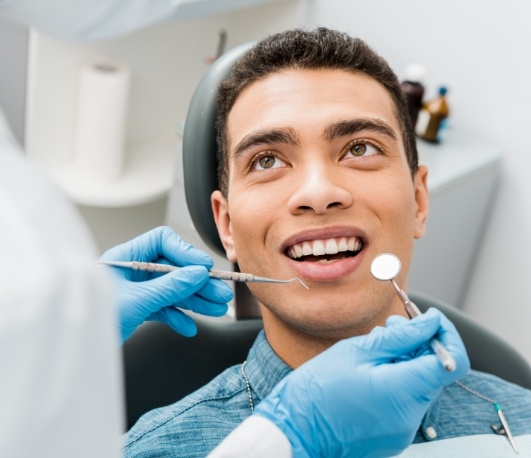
{"points": [[194, 425]]}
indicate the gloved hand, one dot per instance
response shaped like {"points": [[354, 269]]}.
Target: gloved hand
{"points": [[366, 396], [149, 296]]}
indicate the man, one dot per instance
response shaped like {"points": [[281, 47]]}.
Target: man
{"points": [[318, 174]]}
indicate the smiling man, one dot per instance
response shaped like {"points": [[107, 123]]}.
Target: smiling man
{"points": [[318, 174]]}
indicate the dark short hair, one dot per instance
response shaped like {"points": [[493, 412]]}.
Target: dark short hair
{"points": [[321, 48]]}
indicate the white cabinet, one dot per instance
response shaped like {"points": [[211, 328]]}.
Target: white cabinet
{"points": [[462, 180]]}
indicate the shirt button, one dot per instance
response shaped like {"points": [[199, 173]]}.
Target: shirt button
{"points": [[430, 431]]}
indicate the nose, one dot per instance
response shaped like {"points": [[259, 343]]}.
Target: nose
{"points": [[319, 189]]}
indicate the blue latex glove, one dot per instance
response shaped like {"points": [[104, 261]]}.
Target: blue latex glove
{"points": [[366, 396], [147, 296]]}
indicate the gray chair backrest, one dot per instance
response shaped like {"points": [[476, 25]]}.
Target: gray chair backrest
{"points": [[161, 366]]}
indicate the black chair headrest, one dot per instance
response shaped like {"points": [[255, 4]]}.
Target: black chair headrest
{"points": [[199, 148]]}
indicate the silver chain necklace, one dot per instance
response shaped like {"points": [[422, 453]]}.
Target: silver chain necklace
{"points": [[251, 402], [504, 430]]}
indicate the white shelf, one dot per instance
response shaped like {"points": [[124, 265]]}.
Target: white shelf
{"points": [[148, 176]]}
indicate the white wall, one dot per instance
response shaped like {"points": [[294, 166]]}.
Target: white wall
{"points": [[166, 62], [482, 51]]}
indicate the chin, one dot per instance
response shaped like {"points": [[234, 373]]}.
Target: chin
{"points": [[327, 324]]}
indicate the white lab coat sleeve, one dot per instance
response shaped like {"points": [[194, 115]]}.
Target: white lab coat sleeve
{"points": [[255, 437], [89, 20], [61, 382]]}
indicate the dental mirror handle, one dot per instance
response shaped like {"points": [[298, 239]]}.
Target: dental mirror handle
{"points": [[442, 353], [439, 349]]}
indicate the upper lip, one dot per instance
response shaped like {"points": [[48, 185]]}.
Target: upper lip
{"points": [[323, 233]]}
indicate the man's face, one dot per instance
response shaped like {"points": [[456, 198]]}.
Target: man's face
{"points": [[318, 186]]}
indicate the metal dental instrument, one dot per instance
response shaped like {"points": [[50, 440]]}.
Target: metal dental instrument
{"points": [[387, 266], [505, 425], [221, 274]]}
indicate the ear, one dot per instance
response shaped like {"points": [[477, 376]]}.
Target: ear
{"points": [[220, 209], [422, 200]]}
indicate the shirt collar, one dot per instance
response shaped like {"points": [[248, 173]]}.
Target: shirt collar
{"points": [[264, 368]]}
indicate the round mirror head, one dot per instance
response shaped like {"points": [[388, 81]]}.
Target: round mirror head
{"points": [[385, 266]]}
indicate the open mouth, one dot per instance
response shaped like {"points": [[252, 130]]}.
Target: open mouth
{"points": [[325, 251]]}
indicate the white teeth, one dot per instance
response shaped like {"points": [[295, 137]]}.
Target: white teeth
{"points": [[331, 247], [318, 248], [325, 246], [342, 245], [306, 249]]}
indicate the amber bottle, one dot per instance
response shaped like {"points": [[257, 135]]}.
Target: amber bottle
{"points": [[433, 118]]}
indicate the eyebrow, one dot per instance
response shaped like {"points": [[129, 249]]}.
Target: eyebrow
{"points": [[285, 135], [349, 127]]}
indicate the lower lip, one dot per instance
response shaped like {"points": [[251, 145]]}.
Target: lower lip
{"points": [[337, 270]]}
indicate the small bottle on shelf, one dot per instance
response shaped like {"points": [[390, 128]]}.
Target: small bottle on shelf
{"points": [[414, 90], [433, 118]]}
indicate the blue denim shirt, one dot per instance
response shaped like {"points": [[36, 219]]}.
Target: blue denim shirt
{"points": [[193, 426]]}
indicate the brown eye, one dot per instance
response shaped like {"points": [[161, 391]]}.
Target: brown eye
{"points": [[269, 161], [359, 149], [266, 162], [362, 150]]}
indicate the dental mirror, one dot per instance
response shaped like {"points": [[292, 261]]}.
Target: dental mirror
{"points": [[385, 266]]}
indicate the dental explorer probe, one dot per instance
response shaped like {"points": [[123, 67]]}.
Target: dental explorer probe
{"points": [[220, 274], [386, 266]]}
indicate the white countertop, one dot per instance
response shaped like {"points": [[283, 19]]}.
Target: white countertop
{"points": [[456, 158]]}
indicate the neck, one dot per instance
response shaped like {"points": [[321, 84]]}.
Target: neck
{"points": [[295, 345]]}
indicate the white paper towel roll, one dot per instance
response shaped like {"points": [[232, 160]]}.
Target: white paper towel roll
{"points": [[101, 120]]}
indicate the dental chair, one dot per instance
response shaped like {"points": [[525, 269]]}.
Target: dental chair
{"points": [[161, 366]]}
